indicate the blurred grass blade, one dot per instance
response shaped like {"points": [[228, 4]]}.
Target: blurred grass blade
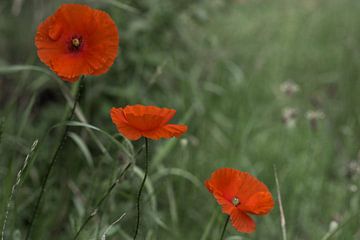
{"points": [[178, 172], [282, 215], [331, 233], [120, 5], [83, 148], [236, 238], [158, 221], [103, 237], [64, 89], [66, 93], [101, 201], [16, 184], [2, 123], [210, 224], [113, 139], [124, 235], [152, 197], [25, 117], [173, 209], [165, 150], [18, 68]]}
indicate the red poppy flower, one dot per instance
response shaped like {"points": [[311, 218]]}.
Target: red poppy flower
{"points": [[146, 121], [240, 194], [77, 40]]}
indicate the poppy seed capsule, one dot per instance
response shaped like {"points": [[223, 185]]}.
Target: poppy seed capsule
{"points": [[235, 201]]}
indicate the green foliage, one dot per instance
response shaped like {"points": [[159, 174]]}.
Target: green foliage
{"points": [[220, 64]]}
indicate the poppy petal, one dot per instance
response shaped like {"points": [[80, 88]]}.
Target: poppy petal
{"points": [[146, 121], [167, 131], [248, 186], [120, 122], [224, 184], [105, 43], [75, 16], [242, 222], [74, 79], [148, 118], [226, 206], [130, 133], [174, 130], [143, 123], [259, 204], [167, 115], [227, 180]]}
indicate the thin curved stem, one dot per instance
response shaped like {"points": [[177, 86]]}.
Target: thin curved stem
{"points": [[142, 186], [53, 160], [225, 225], [100, 202]]}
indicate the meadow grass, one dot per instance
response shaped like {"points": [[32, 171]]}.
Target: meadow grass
{"points": [[220, 64]]}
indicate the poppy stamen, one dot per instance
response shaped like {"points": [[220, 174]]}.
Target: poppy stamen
{"points": [[76, 42], [235, 201]]}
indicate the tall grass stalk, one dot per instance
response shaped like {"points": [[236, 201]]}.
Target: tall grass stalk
{"points": [[101, 201], [282, 215], [54, 157], [142, 186], [15, 186]]}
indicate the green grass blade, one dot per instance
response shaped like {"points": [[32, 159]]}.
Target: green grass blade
{"points": [[120, 5], [83, 148], [163, 172], [166, 149], [128, 152], [25, 117]]}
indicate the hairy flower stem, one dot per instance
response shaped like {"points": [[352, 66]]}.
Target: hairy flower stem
{"points": [[100, 202], [142, 186], [225, 225], [53, 159]]}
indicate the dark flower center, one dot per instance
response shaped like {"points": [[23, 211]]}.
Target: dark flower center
{"points": [[75, 44], [235, 201]]}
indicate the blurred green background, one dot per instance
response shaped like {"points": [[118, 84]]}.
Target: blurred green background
{"points": [[260, 83]]}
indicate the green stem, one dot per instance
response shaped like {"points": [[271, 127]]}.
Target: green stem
{"points": [[142, 186], [100, 202], [225, 225], [53, 160], [2, 123]]}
